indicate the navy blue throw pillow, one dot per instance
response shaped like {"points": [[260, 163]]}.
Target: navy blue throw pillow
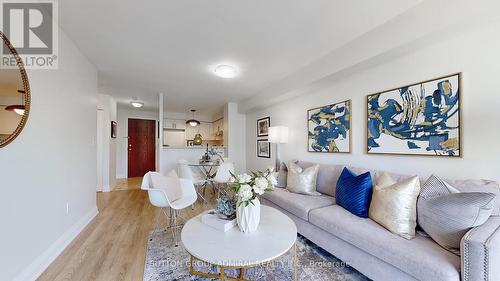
{"points": [[354, 193]]}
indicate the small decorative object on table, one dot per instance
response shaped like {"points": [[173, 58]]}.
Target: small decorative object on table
{"points": [[216, 154], [210, 155], [223, 217], [248, 188], [211, 218], [206, 158], [226, 207]]}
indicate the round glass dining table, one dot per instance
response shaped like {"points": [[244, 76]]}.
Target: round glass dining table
{"points": [[208, 170]]}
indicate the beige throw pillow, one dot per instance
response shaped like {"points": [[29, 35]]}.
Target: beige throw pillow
{"points": [[394, 204], [300, 180]]}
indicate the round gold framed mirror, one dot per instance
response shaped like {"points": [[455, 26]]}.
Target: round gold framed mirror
{"points": [[15, 96]]}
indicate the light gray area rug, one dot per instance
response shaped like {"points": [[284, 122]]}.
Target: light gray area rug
{"points": [[164, 261]]}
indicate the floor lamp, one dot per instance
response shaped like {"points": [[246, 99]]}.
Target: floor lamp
{"points": [[278, 135]]}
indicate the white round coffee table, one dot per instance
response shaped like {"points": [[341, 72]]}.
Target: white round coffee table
{"points": [[275, 236]]}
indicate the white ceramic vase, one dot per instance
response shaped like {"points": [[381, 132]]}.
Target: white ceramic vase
{"points": [[248, 217]]}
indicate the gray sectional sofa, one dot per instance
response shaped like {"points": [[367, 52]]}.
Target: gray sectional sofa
{"points": [[381, 255]]}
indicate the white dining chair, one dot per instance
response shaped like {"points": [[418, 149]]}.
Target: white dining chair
{"points": [[223, 177], [185, 172], [169, 192]]}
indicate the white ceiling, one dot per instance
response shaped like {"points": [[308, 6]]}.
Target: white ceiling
{"points": [[141, 48]]}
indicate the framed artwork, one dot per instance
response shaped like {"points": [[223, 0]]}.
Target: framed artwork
{"points": [[189, 143], [418, 119], [113, 129], [263, 126], [329, 128], [263, 149]]}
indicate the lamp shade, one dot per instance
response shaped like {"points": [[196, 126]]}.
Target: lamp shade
{"points": [[278, 134]]}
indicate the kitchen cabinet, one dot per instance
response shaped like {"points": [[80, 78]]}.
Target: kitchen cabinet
{"points": [[209, 131], [174, 124]]}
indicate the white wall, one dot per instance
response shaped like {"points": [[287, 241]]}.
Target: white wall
{"points": [[107, 104], [473, 52], [52, 163], [122, 137], [234, 136]]}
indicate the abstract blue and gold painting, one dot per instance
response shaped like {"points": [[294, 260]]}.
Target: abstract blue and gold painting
{"points": [[419, 119], [330, 128]]}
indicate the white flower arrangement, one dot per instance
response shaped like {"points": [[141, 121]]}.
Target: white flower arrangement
{"points": [[248, 187]]}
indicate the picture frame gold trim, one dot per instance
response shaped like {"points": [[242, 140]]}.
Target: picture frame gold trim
{"points": [[460, 132], [350, 128], [27, 92]]}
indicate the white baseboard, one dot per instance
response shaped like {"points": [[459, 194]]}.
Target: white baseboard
{"points": [[38, 266]]}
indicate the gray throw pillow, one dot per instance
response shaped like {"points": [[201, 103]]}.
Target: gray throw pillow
{"points": [[446, 214], [282, 174]]}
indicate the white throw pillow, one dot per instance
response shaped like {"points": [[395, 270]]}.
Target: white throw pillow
{"points": [[170, 184], [302, 181], [394, 204]]}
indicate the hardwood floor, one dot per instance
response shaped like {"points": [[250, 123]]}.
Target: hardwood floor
{"points": [[113, 246], [131, 183]]}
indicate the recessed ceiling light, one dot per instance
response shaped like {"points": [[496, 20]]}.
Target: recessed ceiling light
{"points": [[136, 103], [226, 71]]}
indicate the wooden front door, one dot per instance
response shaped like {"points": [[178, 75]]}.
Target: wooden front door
{"points": [[141, 147]]}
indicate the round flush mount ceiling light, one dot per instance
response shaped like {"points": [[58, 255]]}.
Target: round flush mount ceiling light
{"points": [[226, 71], [136, 103]]}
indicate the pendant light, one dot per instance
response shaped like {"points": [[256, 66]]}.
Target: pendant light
{"points": [[193, 122]]}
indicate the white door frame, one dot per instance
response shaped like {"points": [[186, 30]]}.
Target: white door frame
{"points": [[100, 149]]}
